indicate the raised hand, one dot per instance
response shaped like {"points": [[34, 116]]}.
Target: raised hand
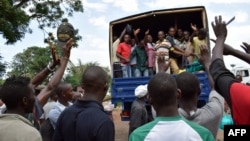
{"points": [[219, 27], [137, 31], [67, 48], [193, 26], [204, 57], [51, 41], [147, 32], [246, 47]]}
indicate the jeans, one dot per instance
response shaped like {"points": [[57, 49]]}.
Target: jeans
{"points": [[150, 71], [126, 71], [132, 69], [139, 73]]}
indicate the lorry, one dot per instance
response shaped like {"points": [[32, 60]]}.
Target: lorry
{"points": [[242, 71], [122, 89]]}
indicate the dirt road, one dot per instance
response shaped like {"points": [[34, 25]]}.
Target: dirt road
{"points": [[121, 127]]}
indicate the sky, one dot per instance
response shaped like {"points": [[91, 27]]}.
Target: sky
{"points": [[93, 26]]}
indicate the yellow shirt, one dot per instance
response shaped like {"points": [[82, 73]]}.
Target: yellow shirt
{"points": [[197, 43]]}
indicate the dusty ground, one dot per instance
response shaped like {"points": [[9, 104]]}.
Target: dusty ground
{"points": [[122, 127]]}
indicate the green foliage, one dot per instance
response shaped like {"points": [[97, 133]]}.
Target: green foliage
{"points": [[16, 17], [1, 82], [75, 72], [30, 62], [2, 67]]}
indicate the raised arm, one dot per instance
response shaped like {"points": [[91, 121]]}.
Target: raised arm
{"points": [[205, 60], [229, 50], [194, 33], [146, 36], [136, 32], [122, 34], [223, 78], [39, 78], [54, 82], [220, 32]]}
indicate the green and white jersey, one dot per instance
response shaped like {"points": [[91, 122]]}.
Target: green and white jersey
{"points": [[171, 129]]}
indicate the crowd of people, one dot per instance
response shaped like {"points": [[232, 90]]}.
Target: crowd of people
{"points": [[137, 56], [56, 113]]}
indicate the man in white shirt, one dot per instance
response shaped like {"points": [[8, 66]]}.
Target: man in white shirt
{"points": [[65, 95], [49, 105]]}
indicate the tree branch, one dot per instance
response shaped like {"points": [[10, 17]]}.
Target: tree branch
{"points": [[35, 16], [21, 3]]}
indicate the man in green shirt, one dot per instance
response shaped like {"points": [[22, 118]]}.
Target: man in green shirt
{"points": [[141, 59]]}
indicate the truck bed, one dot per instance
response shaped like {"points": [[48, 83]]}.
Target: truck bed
{"points": [[123, 91]]}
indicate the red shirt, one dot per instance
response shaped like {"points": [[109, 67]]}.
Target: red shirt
{"points": [[240, 98], [124, 50], [236, 94]]}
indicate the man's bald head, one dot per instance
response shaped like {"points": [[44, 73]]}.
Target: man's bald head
{"points": [[162, 89], [94, 78]]}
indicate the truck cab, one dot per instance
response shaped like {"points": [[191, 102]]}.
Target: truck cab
{"points": [[122, 90], [244, 72]]}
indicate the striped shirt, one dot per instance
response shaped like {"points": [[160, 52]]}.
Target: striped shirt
{"points": [[171, 128]]}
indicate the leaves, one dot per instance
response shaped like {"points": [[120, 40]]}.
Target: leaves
{"points": [[75, 71], [30, 62], [16, 17], [2, 67]]}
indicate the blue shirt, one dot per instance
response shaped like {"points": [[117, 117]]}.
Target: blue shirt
{"points": [[84, 121], [55, 113]]}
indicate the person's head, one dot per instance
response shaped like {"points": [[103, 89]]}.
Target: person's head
{"points": [[142, 43], [161, 35], [127, 38], [79, 89], [133, 42], [179, 33], [141, 91], [54, 96], [189, 86], [149, 38], [238, 78], [65, 92], [186, 35], [162, 91], [95, 83], [202, 34], [18, 94], [171, 31]]}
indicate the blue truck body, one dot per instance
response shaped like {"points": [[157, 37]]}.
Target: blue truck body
{"points": [[123, 91]]}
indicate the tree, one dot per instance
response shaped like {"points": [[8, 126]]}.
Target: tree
{"points": [[16, 15], [30, 62], [2, 67], [75, 72]]}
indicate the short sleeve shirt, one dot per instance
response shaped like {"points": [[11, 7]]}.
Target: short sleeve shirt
{"points": [[125, 50]]}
